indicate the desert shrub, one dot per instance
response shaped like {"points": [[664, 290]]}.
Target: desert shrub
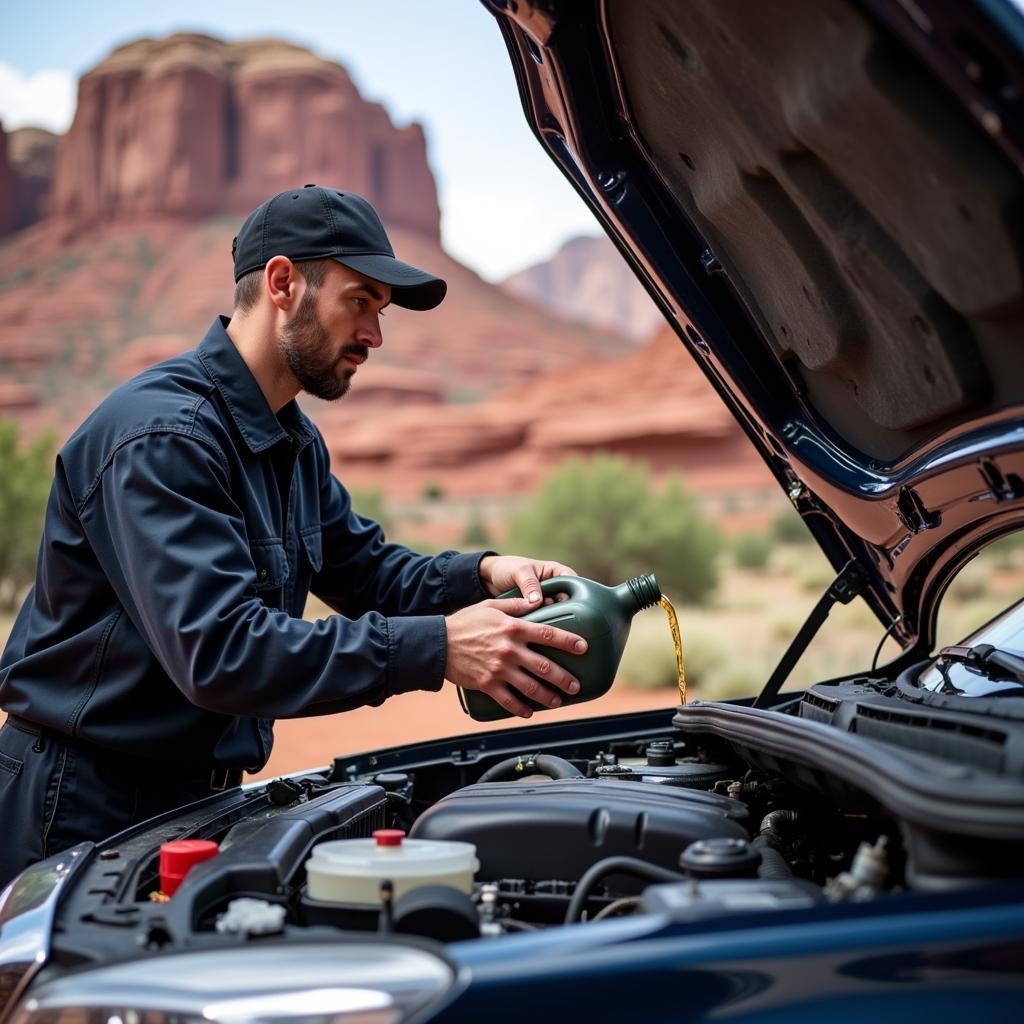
{"points": [[816, 576], [969, 587], [752, 550], [704, 656], [476, 535], [604, 519], [432, 491], [25, 477], [371, 503], [788, 528], [1005, 553], [782, 631], [738, 677], [649, 661]]}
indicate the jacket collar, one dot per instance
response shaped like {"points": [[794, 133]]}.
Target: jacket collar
{"points": [[255, 420]]}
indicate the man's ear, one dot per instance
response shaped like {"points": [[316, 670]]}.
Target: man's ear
{"points": [[283, 283]]}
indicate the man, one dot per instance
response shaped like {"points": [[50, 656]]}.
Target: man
{"points": [[189, 517]]}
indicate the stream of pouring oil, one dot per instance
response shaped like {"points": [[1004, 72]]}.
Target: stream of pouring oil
{"points": [[673, 624]]}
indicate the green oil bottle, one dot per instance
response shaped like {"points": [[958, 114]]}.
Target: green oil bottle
{"points": [[601, 615]]}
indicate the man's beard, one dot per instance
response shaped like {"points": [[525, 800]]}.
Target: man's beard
{"points": [[305, 345]]}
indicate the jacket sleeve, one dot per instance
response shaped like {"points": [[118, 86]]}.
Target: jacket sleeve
{"points": [[172, 542], [361, 571]]}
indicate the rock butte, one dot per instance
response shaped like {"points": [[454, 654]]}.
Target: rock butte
{"points": [[191, 125]]}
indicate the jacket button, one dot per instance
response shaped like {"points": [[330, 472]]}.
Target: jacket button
{"points": [[264, 574]]}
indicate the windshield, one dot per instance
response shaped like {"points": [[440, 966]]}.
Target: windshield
{"points": [[1005, 632]]}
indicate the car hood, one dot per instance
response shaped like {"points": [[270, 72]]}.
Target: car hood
{"points": [[825, 198]]}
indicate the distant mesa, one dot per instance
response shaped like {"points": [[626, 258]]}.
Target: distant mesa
{"points": [[33, 155], [193, 126], [8, 188], [588, 280]]}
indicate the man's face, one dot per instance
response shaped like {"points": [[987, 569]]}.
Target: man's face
{"points": [[333, 330]]}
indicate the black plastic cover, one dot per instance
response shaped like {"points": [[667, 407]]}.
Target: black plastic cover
{"points": [[558, 829]]}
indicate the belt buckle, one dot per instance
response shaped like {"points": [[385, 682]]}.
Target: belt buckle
{"points": [[220, 779]]}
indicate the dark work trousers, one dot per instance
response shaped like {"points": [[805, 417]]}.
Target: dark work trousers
{"points": [[56, 791]]}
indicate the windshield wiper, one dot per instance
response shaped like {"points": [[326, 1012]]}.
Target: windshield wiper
{"points": [[991, 661]]}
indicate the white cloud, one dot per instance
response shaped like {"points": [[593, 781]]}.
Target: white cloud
{"points": [[45, 99]]}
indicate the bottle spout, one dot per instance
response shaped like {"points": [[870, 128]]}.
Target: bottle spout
{"points": [[644, 590]]}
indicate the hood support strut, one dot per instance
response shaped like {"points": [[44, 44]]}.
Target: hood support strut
{"points": [[843, 589]]}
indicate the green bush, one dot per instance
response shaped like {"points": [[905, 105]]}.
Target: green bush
{"points": [[788, 528], [432, 491], [371, 503], [604, 519], [704, 657], [476, 536], [649, 661], [1004, 554], [752, 550], [25, 476]]}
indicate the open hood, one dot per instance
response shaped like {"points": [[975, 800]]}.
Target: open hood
{"points": [[826, 199]]}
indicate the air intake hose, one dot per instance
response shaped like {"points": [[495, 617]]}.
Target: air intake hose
{"points": [[533, 764]]}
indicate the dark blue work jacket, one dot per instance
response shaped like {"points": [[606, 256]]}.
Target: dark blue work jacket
{"points": [[185, 527]]}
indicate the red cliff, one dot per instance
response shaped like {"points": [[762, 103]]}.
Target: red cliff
{"points": [[190, 125], [33, 154], [8, 189]]}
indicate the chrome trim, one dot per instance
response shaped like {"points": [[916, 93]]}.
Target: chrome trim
{"points": [[282, 982], [27, 909]]}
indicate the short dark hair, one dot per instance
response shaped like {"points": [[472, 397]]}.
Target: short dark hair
{"points": [[247, 289]]}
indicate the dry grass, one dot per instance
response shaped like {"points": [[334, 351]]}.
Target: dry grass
{"points": [[732, 647]]}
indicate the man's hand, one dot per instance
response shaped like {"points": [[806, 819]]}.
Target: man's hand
{"points": [[500, 573], [487, 651]]}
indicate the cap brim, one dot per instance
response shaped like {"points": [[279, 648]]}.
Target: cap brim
{"points": [[410, 287]]}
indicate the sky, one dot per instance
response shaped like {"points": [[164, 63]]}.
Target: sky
{"points": [[443, 63]]}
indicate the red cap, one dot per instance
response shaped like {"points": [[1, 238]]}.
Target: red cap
{"points": [[389, 836], [178, 857]]}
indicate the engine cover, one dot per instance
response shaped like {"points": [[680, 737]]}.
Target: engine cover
{"points": [[558, 829]]}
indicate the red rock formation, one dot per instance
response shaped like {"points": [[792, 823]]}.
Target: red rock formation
{"points": [[33, 156], [8, 189], [15, 397], [653, 406], [588, 280], [83, 306], [190, 125]]}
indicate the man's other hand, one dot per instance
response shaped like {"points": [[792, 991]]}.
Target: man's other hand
{"points": [[501, 573], [487, 651]]}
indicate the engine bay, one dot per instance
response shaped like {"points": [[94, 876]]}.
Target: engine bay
{"points": [[695, 817]]}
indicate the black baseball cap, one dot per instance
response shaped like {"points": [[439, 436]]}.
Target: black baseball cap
{"points": [[313, 223]]}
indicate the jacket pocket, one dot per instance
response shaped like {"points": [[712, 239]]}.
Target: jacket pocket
{"points": [[313, 543], [271, 562], [10, 764]]}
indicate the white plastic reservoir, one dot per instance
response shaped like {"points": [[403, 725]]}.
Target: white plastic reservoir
{"points": [[351, 870]]}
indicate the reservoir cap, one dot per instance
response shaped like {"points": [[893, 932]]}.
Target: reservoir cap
{"points": [[178, 857], [389, 836]]}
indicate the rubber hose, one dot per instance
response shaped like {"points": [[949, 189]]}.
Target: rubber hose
{"points": [[779, 822], [773, 865], [543, 764], [609, 866]]}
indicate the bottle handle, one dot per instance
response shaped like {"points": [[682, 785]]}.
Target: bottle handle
{"points": [[570, 585]]}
